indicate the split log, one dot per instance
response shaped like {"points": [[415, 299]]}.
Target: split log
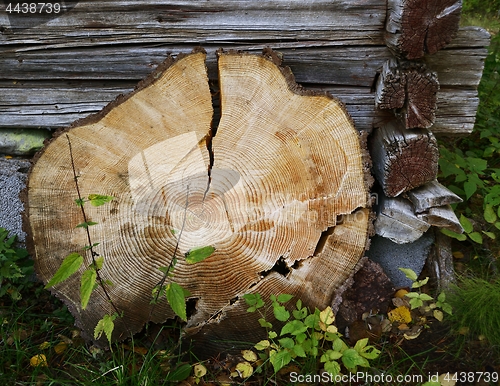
{"points": [[440, 262], [418, 27], [403, 159], [431, 195], [265, 191], [397, 222], [411, 90], [442, 217]]}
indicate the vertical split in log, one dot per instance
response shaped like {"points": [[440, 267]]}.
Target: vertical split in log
{"points": [[403, 159], [418, 27], [411, 90]]}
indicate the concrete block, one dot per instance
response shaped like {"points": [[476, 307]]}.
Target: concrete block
{"points": [[13, 174], [392, 256]]}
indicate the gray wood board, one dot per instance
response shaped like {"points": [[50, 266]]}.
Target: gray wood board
{"points": [[52, 74]]}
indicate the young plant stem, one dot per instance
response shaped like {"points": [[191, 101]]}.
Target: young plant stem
{"points": [[93, 253], [173, 260]]}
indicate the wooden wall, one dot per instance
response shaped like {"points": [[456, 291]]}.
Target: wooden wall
{"points": [[63, 68]]}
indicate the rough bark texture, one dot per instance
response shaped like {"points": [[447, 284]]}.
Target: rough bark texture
{"points": [[411, 90], [440, 262], [403, 159], [418, 27], [280, 191]]}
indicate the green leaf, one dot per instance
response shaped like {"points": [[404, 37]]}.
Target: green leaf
{"points": [[286, 342], [312, 320], [351, 359], [361, 344], [409, 273], [280, 359], [195, 255], [87, 285], [491, 235], [466, 224], [106, 325], [442, 297], [489, 214], [469, 188], [281, 313], [497, 225], [262, 345], [300, 313], [420, 283], [457, 236], [425, 297], [283, 298], [99, 199], [333, 368], [476, 237], [79, 202], [299, 351], [370, 352], [176, 297], [294, 327], [264, 323], [447, 308], [86, 224], [99, 261], [69, 266], [415, 303], [181, 373]]}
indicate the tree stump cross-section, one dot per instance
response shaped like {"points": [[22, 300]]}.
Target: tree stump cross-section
{"points": [[284, 181]]}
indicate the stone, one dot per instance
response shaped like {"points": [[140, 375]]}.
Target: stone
{"points": [[22, 142]]}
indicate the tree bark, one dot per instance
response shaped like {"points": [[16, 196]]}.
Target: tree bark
{"points": [[418, 27], [403, 159], [280, 191], [411, 90]]}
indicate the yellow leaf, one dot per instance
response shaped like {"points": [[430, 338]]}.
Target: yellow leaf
{"points": [[249, 355], [38, 360], [327, 316], [400, 293], [60, 347], [44, 345], [400, 314], [438, 315], [458, 255], [244, 369], [199, 370]]}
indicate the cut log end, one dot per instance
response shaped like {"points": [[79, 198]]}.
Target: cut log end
{"points": [[269, 189], [409, 89], [418, 27], [403, 159]]}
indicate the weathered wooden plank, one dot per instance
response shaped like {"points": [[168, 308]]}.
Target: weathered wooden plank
{"points": [[397, 222], [216, 21], [442, 217], [54, 105], [431, 195]]}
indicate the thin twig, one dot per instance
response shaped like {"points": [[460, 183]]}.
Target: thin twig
{"points": [[93, 253]]}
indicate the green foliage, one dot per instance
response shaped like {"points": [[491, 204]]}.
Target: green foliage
{"points": [[106, 325], [307, 335], [481, 6], [475, 306], [470, 166], [68, 267], [15, 267], [176, 296], [419, 299], [195, 255]]}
